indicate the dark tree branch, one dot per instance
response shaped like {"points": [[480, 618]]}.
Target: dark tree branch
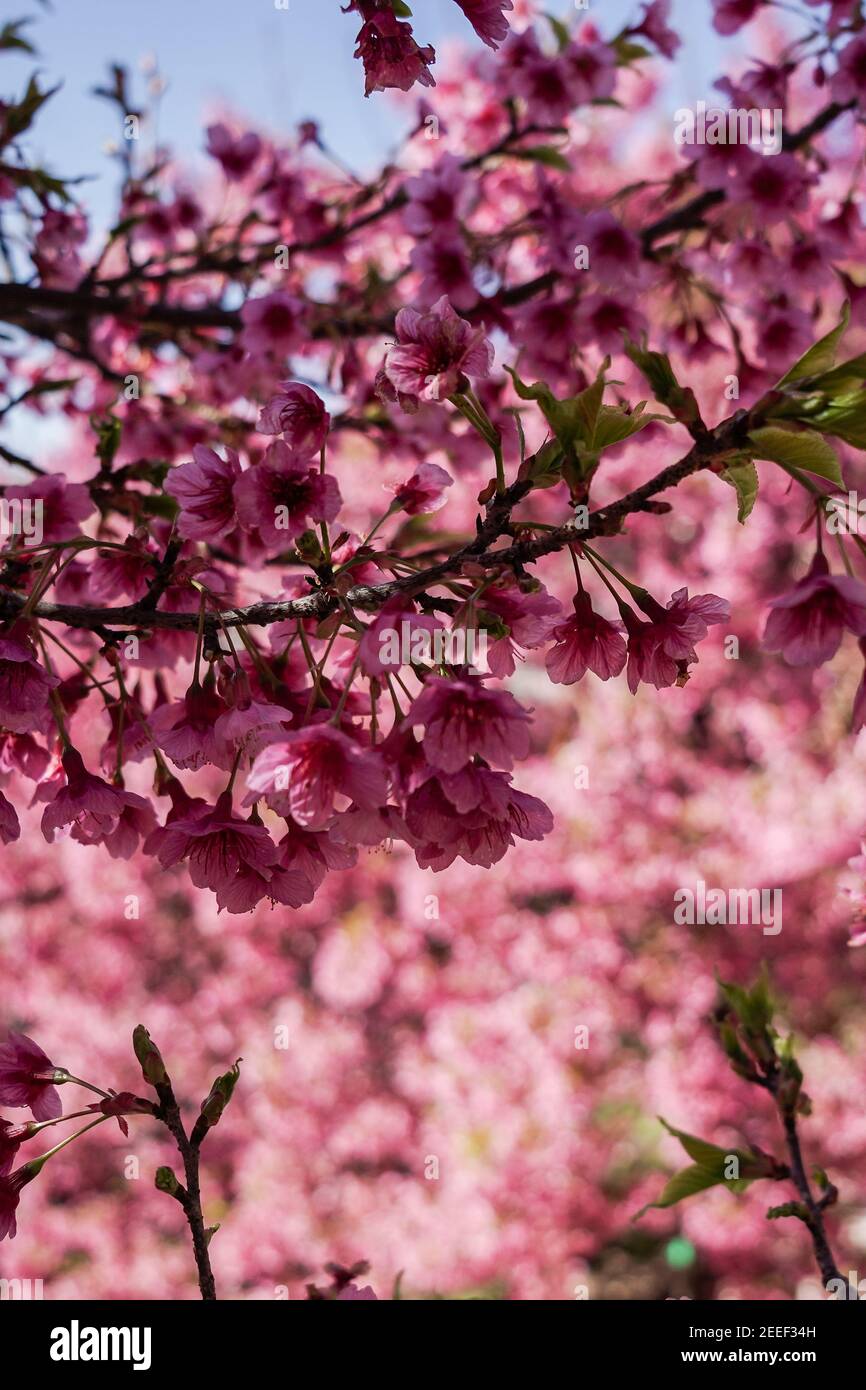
{"points": [[189, 1197], [48, 313], [605, 521]]}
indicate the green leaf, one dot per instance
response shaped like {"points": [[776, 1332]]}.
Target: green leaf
{"points": [[572, 419], [108, 431], [788, 1209], [627, 51], [39, 181], [10, 36], [618, 423], [743, 477], [761, 999], [799, 449], [821, 356], [844, 417], [706, 1154], [740, 1063], [543, 468], [18, 118], [657, 369], [753, 1007], [583, 426], [547, 155], [683, 1184], [163, 506], [848, 376], [561, 31], [708, 1170]]}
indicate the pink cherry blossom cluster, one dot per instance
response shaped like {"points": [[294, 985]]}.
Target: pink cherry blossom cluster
{"points": [[326, 748], [390, 53]]}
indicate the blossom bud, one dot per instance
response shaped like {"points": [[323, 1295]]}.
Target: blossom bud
{"points": [[308, 547], [165, 1181], [216, 1101], [152, 1066]]}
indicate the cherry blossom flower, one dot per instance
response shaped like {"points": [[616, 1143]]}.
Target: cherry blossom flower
{"points": [[246, 725], [647, 659], [62, 505], [11, 1138], [614, 251], [605, 317], [585, 642], [10, 1196], [654, 27], [83, 796], [720, 166], [272, 323], [186, 729], [21, 753], [127, 571], [56, 248], [304, 773], [122, 834], [849, 80], [313, 853], [473, 816], [237, 154], [24, 688], [9, 827], [96, 813], [280, 496], [807, 624], [288, 887], [548, 330], [435, 352], [731, 15], [763, 85], [424, 492], [394, 619], [299, 415], [545, 83], [592, 68], [807, 262], [784, 332], [119, 1104], [390, 55], [771, 188], [528, 614], [27, 1078], [203, 490], [686, 621], [438, 198], [488, 19], [442, 261], [462, 718], [215, 844], [660, 651]]}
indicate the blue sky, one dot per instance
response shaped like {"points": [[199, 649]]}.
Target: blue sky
{"points": [[278, 66]]}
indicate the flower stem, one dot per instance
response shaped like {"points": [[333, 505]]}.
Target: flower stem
{"points": [[37, 1163], [64, 1077]]}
